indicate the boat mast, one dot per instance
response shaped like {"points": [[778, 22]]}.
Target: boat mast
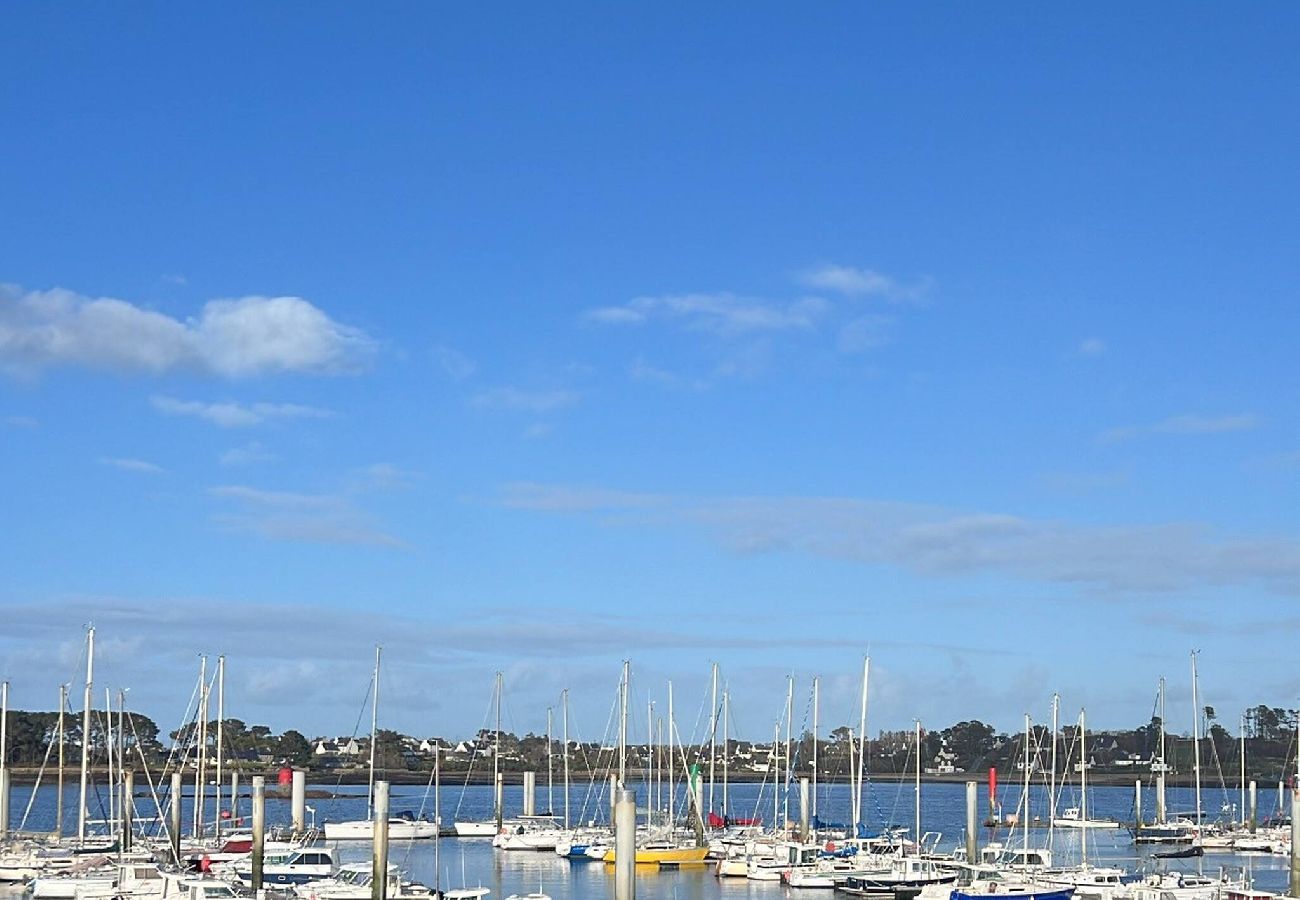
{"points": [[713, 733], [862, 754], [108, 757], [1083, 786], [1196, 742], [496, 759], [1243, 770], [672, 745], [622, 725], [1160, 781], [774, 766], [1025, 824], [4, 744], [918, 783], [201, 730], [437, 817], [221, 718], [374, 733], [726, 747], [789, 716], [1051, 790], [564, 695], [550, 767], [85, 734], [649, 768], [58, 801], [816, 728]]}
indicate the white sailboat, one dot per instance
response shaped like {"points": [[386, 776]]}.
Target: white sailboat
{"points": [[399, 829], [492, 827]]}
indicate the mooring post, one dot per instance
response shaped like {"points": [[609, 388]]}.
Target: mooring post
{"points": [[1137, 804], [972, 822], [1254, 808], [128, 809], [176, 816], [499, 800], [625, 846], [259, 829], [530, 793], [299, 802], [805, 805], [379, 871]]}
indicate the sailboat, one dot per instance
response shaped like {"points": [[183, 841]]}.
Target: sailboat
{"points": [[491, 827], [399, 829]]}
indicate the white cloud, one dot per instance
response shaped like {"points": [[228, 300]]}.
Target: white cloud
{"points": [[855, 282], [1184, 425], [229, 338], [249, 454], [940, 542], [132, 465], [455, 364], [864, 333], [237, 415], [521, 400], [297, 517], [386, 477], [723, 314], [1092, 347]]}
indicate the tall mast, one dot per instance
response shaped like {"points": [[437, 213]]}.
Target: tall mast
{"points": [[672, 767], [1083, 786], [221, 719], [108, 756], [774, 766], [726, 747], [1051, 791], [713, 732], [374, 733], [816, 729], [85, 734], [1196, 742], [564, 695], [437, 815], [4, 742], [1025, 823], [789, 716], [918, 782], [1243, 770], [201, 763], [1160, 780], [550, 766], [622, 726], [862, 740], [496, 758], [649, 768], [58, 801]]}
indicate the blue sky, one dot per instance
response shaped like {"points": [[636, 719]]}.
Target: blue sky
{"points": [[536, 338]]}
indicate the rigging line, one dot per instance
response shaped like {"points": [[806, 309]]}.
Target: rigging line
{"points": [[473, 756]]}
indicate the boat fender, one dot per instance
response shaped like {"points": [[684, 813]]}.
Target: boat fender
{"points": [[830, 846]]}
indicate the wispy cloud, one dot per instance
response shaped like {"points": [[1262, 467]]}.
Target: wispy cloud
{"points": [[291, 516], [132, 465], [230, 414], [857, 282], [865, 333], [524, 400], [455, 364], [1183, 425], [385, 476], [237, 338], [941, 542], [21, 422], [247, 455], [723, 314], [1092, 346]]}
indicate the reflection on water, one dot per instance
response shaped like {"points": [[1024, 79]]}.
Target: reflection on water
{"points": [[474, 861]]}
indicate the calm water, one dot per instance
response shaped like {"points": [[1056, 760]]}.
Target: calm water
{"points": [[474, 861]]}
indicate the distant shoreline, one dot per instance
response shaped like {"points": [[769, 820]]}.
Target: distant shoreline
{"points": [[24, 775]]}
